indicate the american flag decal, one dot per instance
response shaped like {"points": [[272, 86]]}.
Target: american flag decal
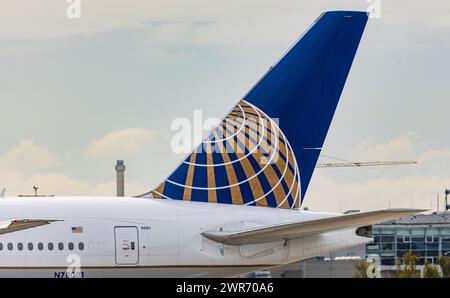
{"points": [[77, 229]]}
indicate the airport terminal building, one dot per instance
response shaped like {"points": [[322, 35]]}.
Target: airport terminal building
{"points": [[426, 236]]}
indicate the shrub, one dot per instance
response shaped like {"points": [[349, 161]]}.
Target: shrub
{"points": [[406, 267], [431, 271]]}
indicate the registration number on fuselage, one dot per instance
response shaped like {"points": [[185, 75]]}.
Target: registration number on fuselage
{"points": [[65, 274]]}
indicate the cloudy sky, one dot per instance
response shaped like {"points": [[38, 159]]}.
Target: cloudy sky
{"points": [[77, 94]]}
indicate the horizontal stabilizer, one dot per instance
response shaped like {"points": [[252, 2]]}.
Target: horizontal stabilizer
{"points": [[307, 228], [10, 226]]}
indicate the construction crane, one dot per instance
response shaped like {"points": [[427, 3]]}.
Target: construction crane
{"points": [[348, 164]]}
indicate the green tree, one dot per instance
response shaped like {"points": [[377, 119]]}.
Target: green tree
{"points": [[431, 271], [444, 262], [360, 269], [406, 267]]}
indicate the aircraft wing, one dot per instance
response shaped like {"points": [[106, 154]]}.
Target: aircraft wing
{"points": [[307, 228], [10, 226]]}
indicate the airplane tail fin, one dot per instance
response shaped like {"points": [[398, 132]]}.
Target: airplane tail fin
{"points": [[265, 150]]}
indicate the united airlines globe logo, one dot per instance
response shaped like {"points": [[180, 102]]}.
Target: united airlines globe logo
{"points": [[246, 160]]}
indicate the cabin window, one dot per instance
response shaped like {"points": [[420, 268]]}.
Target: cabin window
{"points": [[40, 246], [50, 246], [10, 246], [30, 246], [81, 246], [70, 246], [60, 246], [1, 246], [20, 246]]}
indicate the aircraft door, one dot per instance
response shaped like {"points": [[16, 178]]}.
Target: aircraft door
{"points": [[127, 245]]}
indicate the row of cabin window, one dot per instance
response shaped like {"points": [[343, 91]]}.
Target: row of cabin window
{"points": [[40, 246]]}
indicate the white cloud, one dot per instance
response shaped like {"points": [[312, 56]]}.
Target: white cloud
{"points": [[109, 188], [368, 189], [23, 19], [418, 191], [27, 165], [29, 157], [442, 155], [435, 161], [64, 185], [409, 146], [121, 142], [403, 147], [60, 184]]}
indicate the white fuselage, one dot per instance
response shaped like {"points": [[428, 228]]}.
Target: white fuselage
{"points": [[139, 237]]}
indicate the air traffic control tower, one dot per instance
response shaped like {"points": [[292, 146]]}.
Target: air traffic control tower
{"points": [[120, 178]]}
